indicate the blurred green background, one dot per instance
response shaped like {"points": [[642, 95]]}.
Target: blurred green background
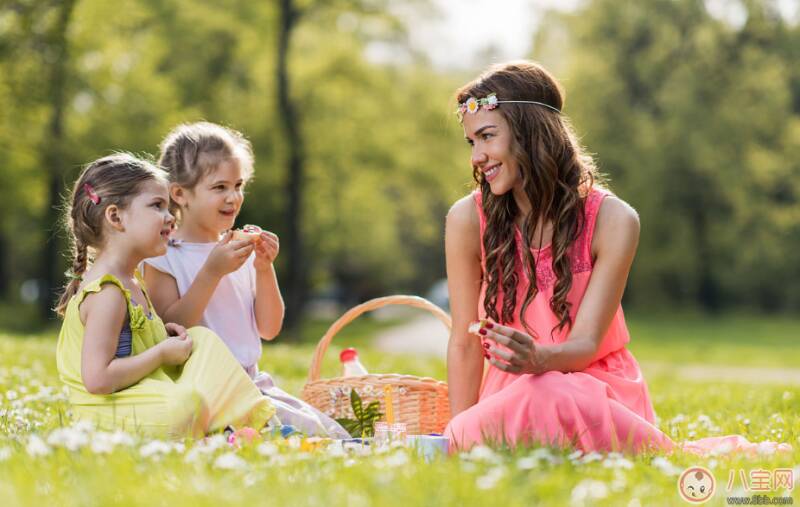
{"points": [[692, 109]]}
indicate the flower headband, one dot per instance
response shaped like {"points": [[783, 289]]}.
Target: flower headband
{"points": [[489, 102]]}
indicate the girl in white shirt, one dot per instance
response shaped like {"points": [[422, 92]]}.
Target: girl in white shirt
{"points": [[208, 278]]}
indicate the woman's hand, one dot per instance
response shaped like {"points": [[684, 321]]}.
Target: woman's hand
{"points": [[521, 354]]}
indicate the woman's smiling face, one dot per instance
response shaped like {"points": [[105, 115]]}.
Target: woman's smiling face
{"points": [[490, 137]]}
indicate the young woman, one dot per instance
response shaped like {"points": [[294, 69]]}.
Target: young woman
{"points": [[541, 252]]}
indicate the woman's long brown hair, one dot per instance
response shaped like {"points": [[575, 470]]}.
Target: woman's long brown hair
{"points": [[556, 177]]}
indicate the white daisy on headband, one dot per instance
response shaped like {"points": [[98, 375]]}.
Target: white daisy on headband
{"points": [[471, 105]]}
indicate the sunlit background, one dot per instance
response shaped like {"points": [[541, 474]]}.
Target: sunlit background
{"points": [[692, 109]]}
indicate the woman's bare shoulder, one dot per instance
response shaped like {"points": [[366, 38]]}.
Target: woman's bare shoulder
{"points": [[463, 215], [617, 225]]}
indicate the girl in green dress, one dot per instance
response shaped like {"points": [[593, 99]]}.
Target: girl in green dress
{"points": [[126, 369]]}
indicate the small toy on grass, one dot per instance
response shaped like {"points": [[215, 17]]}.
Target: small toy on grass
{"points": [[242, 436]]}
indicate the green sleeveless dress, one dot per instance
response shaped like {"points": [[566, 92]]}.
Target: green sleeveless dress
{"points": [[207, 393]]}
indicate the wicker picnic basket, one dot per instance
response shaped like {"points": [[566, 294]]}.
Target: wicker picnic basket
{"points": [[420, 402]]}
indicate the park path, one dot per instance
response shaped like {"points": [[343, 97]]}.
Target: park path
{"points": [[427, 336]]}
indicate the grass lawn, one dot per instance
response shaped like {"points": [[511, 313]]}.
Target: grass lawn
{"points": [[41, 465]]}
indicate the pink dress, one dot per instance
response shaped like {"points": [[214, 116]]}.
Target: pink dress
{"points": [[604, 407]]}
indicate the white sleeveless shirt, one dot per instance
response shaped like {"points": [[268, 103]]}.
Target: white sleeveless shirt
{"points": [[230, 312]]}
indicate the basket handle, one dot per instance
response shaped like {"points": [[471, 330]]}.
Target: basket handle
{"points": [[372, 304]]}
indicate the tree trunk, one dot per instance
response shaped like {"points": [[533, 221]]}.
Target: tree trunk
{"points": [[296, 286], [707, 287], [5, 275], [53, 154]]}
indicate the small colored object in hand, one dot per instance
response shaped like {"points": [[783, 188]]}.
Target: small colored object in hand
{"points": [[248, 232], [387, 392], [478, 326]]}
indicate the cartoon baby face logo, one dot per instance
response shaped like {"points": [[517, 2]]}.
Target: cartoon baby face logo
{"points": [[696, 485]]}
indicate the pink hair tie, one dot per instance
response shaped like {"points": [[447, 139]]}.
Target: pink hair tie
{"points": [[91, 193]]}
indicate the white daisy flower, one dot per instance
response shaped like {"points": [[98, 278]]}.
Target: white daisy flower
{"points": [[68, 438], [589, 489], [397, 459], [592, 456], [527, 463], [491, 478], [230, 461], [575, 455], [37, 447], [119, 437], [483, 453], [102, 443], [665, 466], [155, 448], [472, 105], [267, 449]]}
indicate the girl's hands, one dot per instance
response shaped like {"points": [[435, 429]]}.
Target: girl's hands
{"points": [[228, 256], [521, 354], [267, 249], [176, 330], [176, 349]]}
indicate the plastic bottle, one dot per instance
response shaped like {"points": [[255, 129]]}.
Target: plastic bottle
{"points": [[351, 366]]}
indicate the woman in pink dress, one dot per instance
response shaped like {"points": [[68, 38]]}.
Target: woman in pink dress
{"points": [[542, 252]]}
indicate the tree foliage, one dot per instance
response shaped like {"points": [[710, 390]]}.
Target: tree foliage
{"points": [[695, 119]]}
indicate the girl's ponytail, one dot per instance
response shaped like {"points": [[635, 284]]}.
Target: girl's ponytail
{"points": [[80, 261]]}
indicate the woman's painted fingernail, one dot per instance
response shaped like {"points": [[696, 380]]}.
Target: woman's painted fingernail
{"points": [[486, 346], [489, 325], [486, 355], [482, 331]]}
